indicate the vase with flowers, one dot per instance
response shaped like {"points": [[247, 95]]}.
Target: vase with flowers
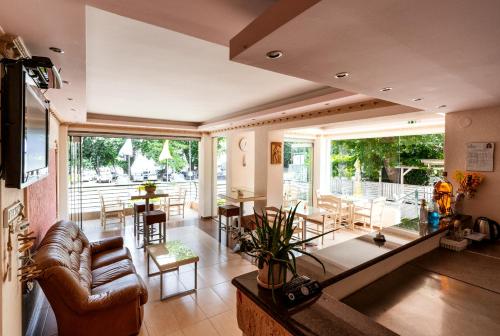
{"points": [[149, 187], [468, 182]]}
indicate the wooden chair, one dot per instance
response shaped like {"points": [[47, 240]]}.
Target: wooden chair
{"points": [[112, 209], [175, 203], [338, 211], [272, 213], [372, 214]]}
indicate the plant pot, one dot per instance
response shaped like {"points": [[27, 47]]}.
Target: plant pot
{"points": [[279, 275], [150, 190]]}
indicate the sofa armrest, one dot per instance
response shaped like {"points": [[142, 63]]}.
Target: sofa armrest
{"points": [[113, 298], [106, 244]]}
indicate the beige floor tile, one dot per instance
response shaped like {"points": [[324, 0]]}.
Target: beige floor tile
{"points": [[227, 292], [209, 302], [186, 311], [226, 324], [160, 319], [203, 328]]}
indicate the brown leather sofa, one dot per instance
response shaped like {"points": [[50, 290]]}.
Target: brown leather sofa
{"points": [[93, 288]]}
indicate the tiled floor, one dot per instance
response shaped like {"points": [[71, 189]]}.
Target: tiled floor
{"points": [[209, 311]]}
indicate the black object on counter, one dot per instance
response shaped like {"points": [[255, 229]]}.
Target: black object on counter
{"points": [[300, 289]]}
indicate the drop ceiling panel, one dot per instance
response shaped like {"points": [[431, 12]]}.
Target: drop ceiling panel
{"points": [[446, 52]]}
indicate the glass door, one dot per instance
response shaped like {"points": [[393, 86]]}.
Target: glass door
{"points": [[298, 172], [75, 179], [220, 169]]}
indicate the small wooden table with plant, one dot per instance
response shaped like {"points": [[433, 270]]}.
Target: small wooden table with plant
{"points": [[168, 257]]}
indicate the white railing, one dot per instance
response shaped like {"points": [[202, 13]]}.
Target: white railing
{"points": [[392, 191], [90, 200]]}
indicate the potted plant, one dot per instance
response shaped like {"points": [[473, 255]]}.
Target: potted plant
{"points": [[150, 187], [272, 246]]}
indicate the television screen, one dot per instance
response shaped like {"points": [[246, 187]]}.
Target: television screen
{"points": [[35, 132]]}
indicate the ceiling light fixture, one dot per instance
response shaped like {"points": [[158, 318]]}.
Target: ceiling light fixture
{"points": [[57, 50], [417, 99], [70, 99], [283, 112], [274, 54], [385, 89], [441, 106], [341, 75], [72, 109]]}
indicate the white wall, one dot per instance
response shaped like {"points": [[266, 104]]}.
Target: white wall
{"points": [[484, 127]]}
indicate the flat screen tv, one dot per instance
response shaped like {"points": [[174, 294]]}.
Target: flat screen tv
{"points": [[25, 128]]}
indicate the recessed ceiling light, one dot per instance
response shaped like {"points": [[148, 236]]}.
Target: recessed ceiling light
{"points": [[72, 109], [274, 54], [57, 50], [417, 99], [385, 89], [69, 98], [341, 75], [66, 82], [441, 106]]}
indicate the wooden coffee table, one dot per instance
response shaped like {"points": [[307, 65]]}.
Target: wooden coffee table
{"points": [[168, 257]]}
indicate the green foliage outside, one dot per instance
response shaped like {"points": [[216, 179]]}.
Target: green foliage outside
{"points": [[100, 152], [385, 154]]}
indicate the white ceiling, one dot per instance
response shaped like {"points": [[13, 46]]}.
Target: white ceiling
{"points": [[399, 124], [215, 21], [55, 23], [446, 52], [141, 70]]}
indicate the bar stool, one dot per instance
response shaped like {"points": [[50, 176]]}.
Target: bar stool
{"points": [[227, 211], [138, 209], [151, 218]]}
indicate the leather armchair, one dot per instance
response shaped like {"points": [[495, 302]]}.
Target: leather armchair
{"points": [[93, 288]]}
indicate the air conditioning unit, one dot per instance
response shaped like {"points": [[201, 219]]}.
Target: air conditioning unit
{"points": [[41, 69], [13, 47]]}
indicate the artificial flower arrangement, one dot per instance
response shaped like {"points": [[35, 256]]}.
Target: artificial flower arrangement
{"points": [[468, 182]]}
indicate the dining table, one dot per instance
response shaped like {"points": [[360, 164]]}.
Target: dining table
{"points": [[312, 214], [147, 197], [241, 196]]}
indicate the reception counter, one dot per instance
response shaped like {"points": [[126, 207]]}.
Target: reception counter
{"points": [[350, 265]]}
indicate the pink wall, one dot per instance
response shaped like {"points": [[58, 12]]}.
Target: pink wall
{"points": [[484, 127], [41, 200]]}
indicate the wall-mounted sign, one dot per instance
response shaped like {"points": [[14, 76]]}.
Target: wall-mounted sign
{"points": [[480, 156], [276, 152]]}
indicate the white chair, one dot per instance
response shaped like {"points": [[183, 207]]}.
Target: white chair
{"points": [[174, 204], [338, 211], [112, 209], [272, 213], [371, 214], [291, 196]]}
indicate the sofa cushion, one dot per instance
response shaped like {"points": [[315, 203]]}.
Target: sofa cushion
{"points": [[124, 281], [108, 273], [109, 257], [66, 246]]}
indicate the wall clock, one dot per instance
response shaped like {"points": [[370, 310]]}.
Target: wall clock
{"points": [[243, 144]]}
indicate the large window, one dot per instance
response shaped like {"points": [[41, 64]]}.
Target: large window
{"points": [[297, 174], [388, 166], [114, 167]]}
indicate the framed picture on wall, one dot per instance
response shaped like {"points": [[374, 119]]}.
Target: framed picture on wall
{"points": [[276, 152]]}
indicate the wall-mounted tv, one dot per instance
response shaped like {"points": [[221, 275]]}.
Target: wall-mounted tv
{"points": [[25, 127]]}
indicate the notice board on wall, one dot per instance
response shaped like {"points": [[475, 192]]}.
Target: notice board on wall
{"points": [[480, 156]]}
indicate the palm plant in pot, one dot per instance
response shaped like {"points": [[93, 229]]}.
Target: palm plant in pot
{"points": [[272, 246]]}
